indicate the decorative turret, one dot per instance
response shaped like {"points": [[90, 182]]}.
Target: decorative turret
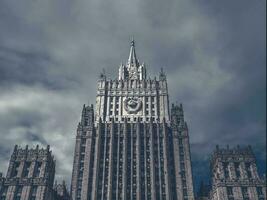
{"points": [[87, 115], [133, 70]]}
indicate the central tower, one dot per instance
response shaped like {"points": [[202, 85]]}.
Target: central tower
{"points": [[133, 146], [132, 96]]}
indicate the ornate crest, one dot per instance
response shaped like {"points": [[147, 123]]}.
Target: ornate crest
{"points": [[132, 105]]}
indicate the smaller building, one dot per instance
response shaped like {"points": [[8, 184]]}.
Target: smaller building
{"points": [[234, 175], [203, 192], [30, 176], [61, 191]]}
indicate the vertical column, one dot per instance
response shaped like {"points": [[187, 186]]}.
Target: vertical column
{"points": [[165, 159], [124, 175], [243, 170], [252, 193], [159, 160], [161, 107], [231, 168], [110, 167], [108, 108], [149, 107], [26, 193], [189, 177], [145, 159], [76, 166], [87, 163], [156, 106], [144, 108], [10, 166], [118, 184], [151, 150], [254, 170], [132, 161], [176, 158], [104, 163], [120, 108], [138, 154], [237, 193], [21, 166], [114, 105], [10, 192], [97, 151]]}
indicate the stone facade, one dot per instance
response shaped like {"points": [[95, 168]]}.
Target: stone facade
{"points": [[30, 175], [235, 175], [134, 146]]}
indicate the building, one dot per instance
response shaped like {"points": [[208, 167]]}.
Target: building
{"points": [[133, 145], [235, 175], [203, 193], [61, 191], [30, 176]]}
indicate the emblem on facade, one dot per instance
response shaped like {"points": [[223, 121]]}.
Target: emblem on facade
{"points": [[132, 105]]}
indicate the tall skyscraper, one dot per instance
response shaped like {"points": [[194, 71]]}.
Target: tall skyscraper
{"points": [[30, 176], [133, 146], [235, 175]]}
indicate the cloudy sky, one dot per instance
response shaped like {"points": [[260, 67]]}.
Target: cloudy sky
{"points": [[51, 53]]}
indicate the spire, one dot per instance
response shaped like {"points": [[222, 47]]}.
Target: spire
{"points": [[132, 60]]}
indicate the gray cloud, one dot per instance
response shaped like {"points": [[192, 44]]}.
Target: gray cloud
{"points": [[51, 53]]}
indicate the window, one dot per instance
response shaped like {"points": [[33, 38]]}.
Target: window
{"points": [[182, 166], [18, 193], [83, 149], [15, 169], [237, 170], [229, 191], [184, 183], [33, 193], [260, 193], [247, 166], [83, 142], [4, 192], [37, 169], [244, 191], [82, 157], [185, 192], [225, 169], [26, 169]]}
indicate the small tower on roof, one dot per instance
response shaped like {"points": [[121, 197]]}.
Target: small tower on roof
{"points": [[133, 70]]}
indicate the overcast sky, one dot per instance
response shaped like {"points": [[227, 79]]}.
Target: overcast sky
{"points": [[213, 52]]}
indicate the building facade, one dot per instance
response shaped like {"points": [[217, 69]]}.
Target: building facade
{"points": [[235, 175], [133, 145], [30, 176]]}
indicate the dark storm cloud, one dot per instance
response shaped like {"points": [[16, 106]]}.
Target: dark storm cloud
{"points": [[213, 52]]}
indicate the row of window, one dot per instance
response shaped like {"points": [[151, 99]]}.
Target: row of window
{"points": [[26, 169], [237, 169], [245, 193], [115, 101], [18, 193], [134, 119]]}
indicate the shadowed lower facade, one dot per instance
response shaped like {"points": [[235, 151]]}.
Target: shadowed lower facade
{"points": [[132, 146]]}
